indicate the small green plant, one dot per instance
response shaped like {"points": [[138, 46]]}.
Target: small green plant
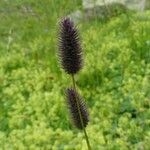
{"points": [[70, 58]]}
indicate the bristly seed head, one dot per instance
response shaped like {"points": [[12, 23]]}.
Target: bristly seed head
{"points": [[69, 51], [72, 98]]}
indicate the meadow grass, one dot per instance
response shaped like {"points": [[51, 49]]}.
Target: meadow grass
{"points": [[114, 81]]}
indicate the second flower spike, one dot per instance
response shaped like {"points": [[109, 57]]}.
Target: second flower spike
{"points": [[75, 102]]}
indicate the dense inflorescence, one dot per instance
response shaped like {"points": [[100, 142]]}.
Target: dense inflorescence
{"points": [[70, 52], [73, 101]]}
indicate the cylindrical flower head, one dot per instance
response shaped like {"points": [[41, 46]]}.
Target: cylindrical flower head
{"points": [[72, 98], [70, 52]]}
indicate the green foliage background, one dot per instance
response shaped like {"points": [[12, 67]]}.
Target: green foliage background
{"points": [[115, 80]]}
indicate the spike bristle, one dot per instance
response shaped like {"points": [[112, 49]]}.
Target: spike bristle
{"points": [[69, 52], [72, 98]]}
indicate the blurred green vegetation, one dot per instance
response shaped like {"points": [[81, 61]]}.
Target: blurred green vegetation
{"points": [[114, 81]]}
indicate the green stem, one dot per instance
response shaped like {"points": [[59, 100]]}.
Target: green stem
{"points": [[81, 120]]}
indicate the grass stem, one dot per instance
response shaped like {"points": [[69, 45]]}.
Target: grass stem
{"points": [[81, 120]]}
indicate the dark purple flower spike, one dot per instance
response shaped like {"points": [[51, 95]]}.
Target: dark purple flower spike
{"points": [[72, 99], [69, 52]]}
